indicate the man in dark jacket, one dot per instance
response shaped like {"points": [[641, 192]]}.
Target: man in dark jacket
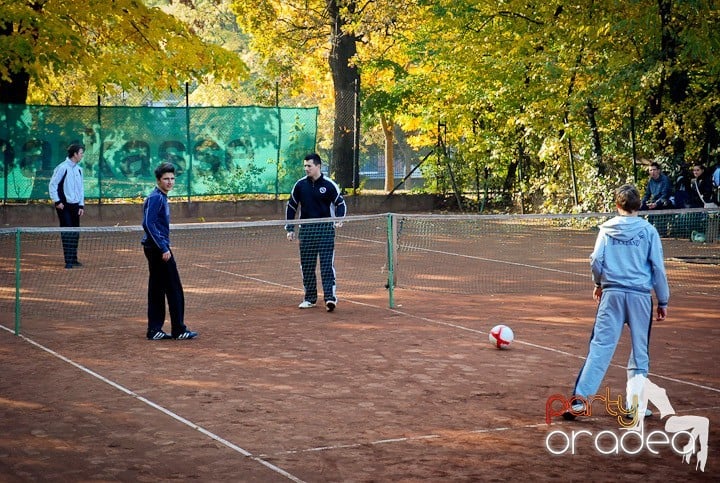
{"points": [[658, 190], [164, 278], [317, 197]]}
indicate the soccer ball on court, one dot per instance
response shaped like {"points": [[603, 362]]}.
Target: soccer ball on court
{"points": [[501, 336]]}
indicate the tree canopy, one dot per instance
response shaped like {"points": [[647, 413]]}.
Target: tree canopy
{"points": [[65, 48], [554, 101]]}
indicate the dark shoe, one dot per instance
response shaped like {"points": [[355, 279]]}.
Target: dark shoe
{"points": [[159, 335], [77, 264], [576, 409], [188, 334], [68, 265], [330, 305]]}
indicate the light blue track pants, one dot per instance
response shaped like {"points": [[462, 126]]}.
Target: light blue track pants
{"points": [[616, 309]]}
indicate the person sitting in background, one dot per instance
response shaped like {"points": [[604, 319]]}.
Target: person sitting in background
{"points": [[681, 196], [701, 190], [658, 190]]}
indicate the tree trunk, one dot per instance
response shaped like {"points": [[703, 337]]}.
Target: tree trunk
{"points": [[388, 131], [406, 154], [709, 153], [14, 90], [597, 153], [345, 79], [674, 83]]}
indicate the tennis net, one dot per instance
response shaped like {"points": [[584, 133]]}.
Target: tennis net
{"points": [[226, 267]]}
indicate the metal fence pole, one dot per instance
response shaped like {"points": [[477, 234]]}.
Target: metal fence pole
{"points": [[17, 281], [279, 138], [189, 147]]}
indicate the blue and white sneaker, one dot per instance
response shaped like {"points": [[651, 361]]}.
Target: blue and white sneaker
{"points": [[188, 334], [159, 335], [578, 407]]}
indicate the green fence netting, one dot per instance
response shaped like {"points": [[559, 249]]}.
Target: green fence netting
{"points": [[217, 150]]}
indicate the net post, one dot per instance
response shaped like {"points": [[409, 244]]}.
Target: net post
{"points": [[17, 281], [392, 256]]}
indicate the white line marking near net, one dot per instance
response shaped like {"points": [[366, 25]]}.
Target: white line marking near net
{"points": [[399, 440], [238, 275], [177, 417]]}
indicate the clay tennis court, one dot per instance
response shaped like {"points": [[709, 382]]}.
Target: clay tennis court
{"points": [[369, 392]]}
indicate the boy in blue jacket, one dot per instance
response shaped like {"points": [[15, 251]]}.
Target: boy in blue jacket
{"points": [[627, 264], [164, 281]]}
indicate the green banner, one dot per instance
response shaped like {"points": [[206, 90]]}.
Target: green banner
{"points": [[217, 150]]}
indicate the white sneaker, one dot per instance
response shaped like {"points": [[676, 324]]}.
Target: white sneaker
{"points": [[306, 305], [330, 305]]}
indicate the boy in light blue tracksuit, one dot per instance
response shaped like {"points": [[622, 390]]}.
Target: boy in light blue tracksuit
{"points": [[627, 263]]}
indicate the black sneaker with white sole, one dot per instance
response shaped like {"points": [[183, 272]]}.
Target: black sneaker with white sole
{"points": [[330, 305]]}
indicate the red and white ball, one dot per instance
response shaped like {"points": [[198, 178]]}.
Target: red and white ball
{"points": [[501, 336]]}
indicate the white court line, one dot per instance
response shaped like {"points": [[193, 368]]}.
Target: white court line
{"points": [[399, 440], [186, 422], [473, 257], [504, 262], [436, 436]]}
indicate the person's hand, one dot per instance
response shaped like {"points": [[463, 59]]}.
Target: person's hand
{"points": [[661, 313], [597, 293], [166, 256], [652, 206], [60, 206], [81, 212], [291, 235]]}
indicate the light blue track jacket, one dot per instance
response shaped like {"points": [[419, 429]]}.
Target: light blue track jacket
{"points": [[628, 255]]}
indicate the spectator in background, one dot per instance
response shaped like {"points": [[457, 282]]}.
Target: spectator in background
{"points": [[658, 190], [701, 190], [67, 191], [681, 196], [716, 184]]}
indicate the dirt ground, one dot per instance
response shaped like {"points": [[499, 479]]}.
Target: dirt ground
{"points": [[365, 393]]}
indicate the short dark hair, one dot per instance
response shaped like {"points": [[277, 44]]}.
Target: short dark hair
{"points": [[655, 164], [74, 148], [164, 168], [314, 157], [628, 198]]}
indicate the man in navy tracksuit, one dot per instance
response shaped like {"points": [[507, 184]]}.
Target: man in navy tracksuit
{"points": [[164, 278], [317, 197]]}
